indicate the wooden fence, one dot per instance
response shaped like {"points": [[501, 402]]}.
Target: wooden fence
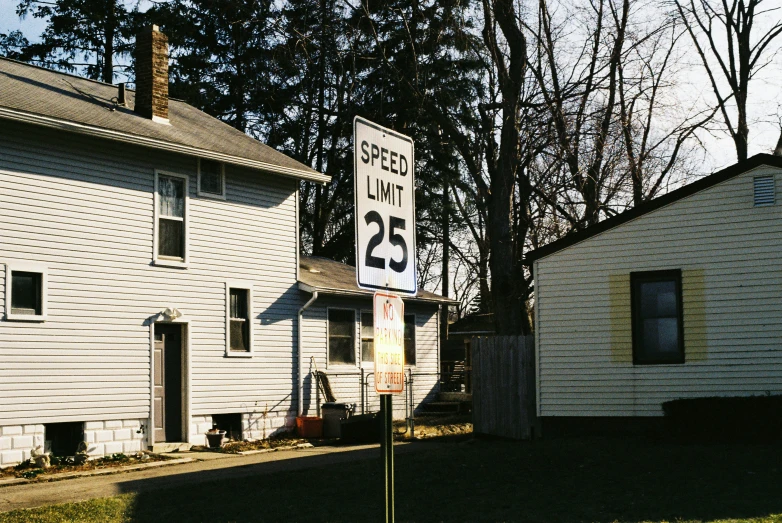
{"points": [[503, 386]]}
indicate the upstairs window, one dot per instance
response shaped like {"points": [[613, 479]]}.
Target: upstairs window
{"points": [[171, 217], [211, 178], [26, 292], [409, 339], [342, 327], [657, 317], [367, 337]]}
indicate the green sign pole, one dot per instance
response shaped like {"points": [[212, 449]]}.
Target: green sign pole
{"points": [[387, 449]]}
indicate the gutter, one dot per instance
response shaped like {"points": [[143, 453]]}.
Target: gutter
{"points": [[118, 136], [299, 351]]}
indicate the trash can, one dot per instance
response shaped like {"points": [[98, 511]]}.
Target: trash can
{"points": [[333, 413]]}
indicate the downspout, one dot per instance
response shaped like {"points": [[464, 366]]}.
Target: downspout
{"points": [[300, 373]]}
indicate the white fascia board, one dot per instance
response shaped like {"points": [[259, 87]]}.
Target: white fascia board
{"points": [[366, 294], [117, 136]]}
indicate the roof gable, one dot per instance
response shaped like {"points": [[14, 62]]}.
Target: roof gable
{"points": [[652, 205]]}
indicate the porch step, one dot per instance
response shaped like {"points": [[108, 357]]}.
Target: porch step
{"points": [[160, 448], [463, 397]]}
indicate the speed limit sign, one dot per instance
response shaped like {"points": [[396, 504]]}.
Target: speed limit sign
{"points": [[385, 208]]}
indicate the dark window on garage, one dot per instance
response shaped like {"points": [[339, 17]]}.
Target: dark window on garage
{"points": [[658, 334]]}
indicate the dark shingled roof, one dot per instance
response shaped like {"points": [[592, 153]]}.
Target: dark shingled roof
{"points": [[331, 277], [652, 205], [54, 99]]}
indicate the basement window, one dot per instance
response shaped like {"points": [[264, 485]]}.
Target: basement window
{"points": [[764, 190], [63, 439], [230, 423], [658, 334], [239, 319], [211, 179], [26, 296]]}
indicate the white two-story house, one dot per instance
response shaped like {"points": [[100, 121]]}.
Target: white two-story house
{"points": [[150, 264]]}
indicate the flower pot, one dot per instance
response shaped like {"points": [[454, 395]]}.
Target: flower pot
{"points": [[309, 426], [215, 439]]}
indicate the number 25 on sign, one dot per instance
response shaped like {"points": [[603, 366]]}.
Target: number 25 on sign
{"points": [[389, 314], [385, 208]]}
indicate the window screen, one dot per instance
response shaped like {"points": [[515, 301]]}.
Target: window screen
{"points": [[239, 320], [171, 217], [657, 317], [26, 293], [367, 337], [211, 177], [341, 336], [409, 339]]}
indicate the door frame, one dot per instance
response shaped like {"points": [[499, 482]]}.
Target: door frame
{"points": [[186, 373]]}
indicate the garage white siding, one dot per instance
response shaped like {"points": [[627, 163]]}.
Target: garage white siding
{"points": [[729, 252], [84, 208], [345, 379]]}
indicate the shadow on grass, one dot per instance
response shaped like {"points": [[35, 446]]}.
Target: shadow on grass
{"points": [[602, 480]]}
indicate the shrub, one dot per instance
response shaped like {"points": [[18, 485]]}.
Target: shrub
{"points": [[751, 418]]}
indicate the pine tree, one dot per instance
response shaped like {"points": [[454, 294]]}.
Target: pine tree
{"points": [[80, 34]]}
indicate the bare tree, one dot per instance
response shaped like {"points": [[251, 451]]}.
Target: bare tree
{"points": [[722, 33]]}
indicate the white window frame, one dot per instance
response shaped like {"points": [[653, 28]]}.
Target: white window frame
{"points": [[356, 356], [39, 268], [248, 286], [222, 183], [415, 337], [371, 362], [165, 261]]}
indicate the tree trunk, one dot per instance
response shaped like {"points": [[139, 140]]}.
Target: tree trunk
{"points": [[110, 31]]}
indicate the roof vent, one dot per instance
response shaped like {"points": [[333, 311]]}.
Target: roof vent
{"points": [[764, 190], [778, 150]]}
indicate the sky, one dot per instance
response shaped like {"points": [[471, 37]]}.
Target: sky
{"points": [[764, 106]]}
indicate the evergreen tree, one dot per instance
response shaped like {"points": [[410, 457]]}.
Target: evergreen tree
{"points": [[80, 34], [219, 56]]}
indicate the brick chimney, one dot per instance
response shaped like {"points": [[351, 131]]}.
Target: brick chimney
{"points": [[152, 74]]}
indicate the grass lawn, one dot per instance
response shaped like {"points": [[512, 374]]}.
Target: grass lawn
{"points": [[567, 480]]}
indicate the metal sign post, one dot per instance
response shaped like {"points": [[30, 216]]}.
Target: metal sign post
{"points": [[389, 323], [384, 191]]}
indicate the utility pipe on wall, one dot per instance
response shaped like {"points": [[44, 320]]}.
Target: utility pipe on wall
{"points": [[300, 373]]}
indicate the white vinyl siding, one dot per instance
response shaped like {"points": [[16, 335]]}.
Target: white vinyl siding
{"points": [[84, 208], [345, 385], [729, 253]]}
